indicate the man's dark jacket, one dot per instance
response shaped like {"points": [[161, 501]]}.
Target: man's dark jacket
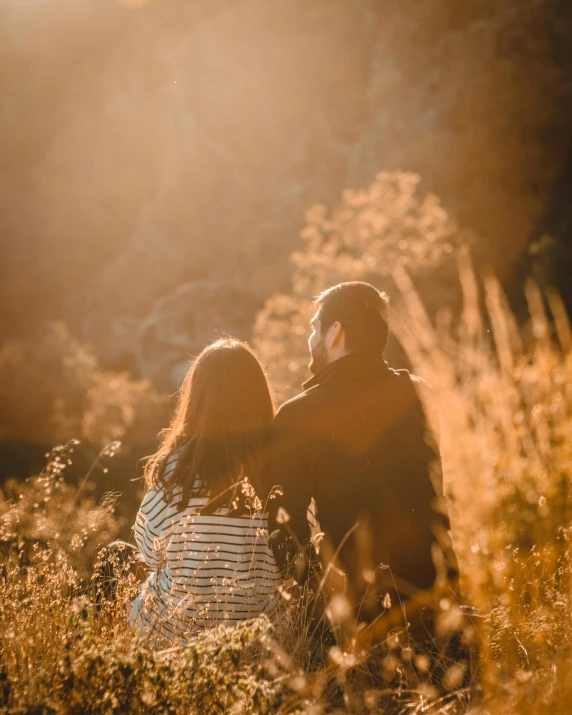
{"points": [[356, 441]]}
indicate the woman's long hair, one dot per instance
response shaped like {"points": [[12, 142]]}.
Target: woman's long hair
{"points": [[221, 426]]}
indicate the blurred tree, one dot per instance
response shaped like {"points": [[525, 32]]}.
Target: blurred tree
{"points": [[144, 147], [370, 233], [52, 390]]}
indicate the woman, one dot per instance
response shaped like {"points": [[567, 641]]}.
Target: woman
{"points": [[201, 527]]}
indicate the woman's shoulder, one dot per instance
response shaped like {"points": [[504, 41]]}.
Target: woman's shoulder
{"points": [[168, 492], [170, 464], [160, 493]]}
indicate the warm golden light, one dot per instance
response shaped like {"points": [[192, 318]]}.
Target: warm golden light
{"points": [[177, 186]]}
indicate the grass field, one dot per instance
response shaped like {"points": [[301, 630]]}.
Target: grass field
{"points": [[504, 398]]}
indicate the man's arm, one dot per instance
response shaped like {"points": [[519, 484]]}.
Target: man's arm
{"points": [[289, 481]]}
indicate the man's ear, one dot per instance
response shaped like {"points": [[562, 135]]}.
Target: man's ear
{"points": [[336, 337]]}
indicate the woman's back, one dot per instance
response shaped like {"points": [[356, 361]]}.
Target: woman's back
{"points": [[211, 565], [209, 569]]}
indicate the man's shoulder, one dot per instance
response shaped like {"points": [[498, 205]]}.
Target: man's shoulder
{"points": [[426, 398], [297, 405]]}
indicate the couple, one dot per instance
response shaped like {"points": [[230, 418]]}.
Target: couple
{"points": [[226, 518]]}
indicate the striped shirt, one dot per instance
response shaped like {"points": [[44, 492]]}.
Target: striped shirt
{"points": [[207, 569]]}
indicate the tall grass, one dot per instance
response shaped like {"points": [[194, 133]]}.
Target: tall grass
{"points": [[504, 398], [505, 406], [64, 649]]}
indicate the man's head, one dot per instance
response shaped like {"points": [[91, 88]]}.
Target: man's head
{"points": [[350, 318]]}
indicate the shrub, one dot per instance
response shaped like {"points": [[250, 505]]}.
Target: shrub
{"points": [[52, 390], [47, 512]]}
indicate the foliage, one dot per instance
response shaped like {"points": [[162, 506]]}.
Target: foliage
{"points": [[506, 406], [90, 663], [52, 390], [370, 233], [45, 512]]}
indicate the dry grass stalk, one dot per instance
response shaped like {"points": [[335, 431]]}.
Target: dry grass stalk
{"points": [[505, 402]]}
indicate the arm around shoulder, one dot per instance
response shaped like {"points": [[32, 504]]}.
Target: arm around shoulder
{"points": [[289, 473]]}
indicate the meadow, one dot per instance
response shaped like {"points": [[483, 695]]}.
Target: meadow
{"points": [[504, 420], [501, 408]]}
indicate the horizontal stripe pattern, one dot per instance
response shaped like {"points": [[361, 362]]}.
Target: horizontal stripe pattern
{"points": [[207, 570]]}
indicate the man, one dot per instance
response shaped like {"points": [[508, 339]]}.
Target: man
{"points": [[356, 441]]}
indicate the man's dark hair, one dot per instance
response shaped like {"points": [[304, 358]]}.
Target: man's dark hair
{"points": [[362, 311]]}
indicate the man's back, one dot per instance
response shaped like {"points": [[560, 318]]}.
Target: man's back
{"points": [[356, 441]]}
